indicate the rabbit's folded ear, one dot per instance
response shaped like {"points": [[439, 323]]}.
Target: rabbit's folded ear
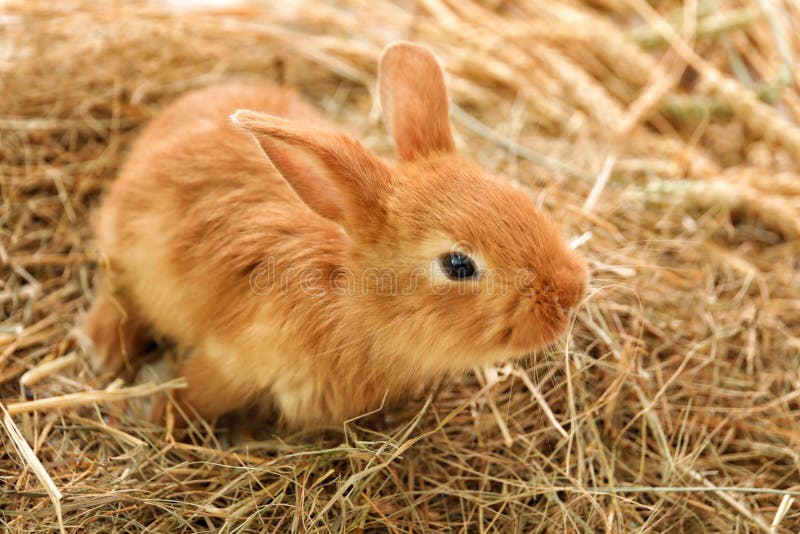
{"points": [[332, 173], [414, 101]]}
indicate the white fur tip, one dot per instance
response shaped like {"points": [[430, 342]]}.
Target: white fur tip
{"points": [[236, 117]]}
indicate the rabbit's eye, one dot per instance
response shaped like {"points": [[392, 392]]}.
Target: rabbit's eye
{"points": [[458, 266]]}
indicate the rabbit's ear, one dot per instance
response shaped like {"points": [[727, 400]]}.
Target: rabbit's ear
{"points": [[414, 101], [332, 173]]}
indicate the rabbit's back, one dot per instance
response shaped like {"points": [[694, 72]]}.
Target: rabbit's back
{"points": [[197, 208]]}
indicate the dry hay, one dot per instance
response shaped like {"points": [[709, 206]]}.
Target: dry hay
{"points": [[666, 142]]}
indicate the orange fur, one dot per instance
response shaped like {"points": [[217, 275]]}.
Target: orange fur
{"points": [[204, 213]]}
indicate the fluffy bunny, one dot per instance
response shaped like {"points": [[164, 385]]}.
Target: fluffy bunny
{"points": [[306, 273]]}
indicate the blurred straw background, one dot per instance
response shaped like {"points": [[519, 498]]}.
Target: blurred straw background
{"points": [[663, 136]]}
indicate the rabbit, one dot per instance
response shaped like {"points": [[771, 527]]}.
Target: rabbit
{"points": [[306, 273]]}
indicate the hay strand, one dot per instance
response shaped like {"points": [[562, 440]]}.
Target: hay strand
{"points": [[92, 397], [33, 463]]}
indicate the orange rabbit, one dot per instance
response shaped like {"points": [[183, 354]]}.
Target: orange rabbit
{"points": [[310, 275]]}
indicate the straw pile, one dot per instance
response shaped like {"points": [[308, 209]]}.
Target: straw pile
{"points": [[663, 136]]}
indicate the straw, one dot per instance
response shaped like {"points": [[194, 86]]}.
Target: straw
{"points": [[661, 137]]}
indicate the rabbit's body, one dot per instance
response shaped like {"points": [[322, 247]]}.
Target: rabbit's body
{"points": [[306, 284], [190, 245]]}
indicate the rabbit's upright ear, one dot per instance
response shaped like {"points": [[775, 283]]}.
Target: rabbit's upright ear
{"points": [[332, 173], [414, 101]]}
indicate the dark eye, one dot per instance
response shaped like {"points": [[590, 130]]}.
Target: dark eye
{"points": [[458, 266]]}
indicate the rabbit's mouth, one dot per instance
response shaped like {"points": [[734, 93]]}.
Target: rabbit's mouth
{"points": [[526, 339], [534, 321]]}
